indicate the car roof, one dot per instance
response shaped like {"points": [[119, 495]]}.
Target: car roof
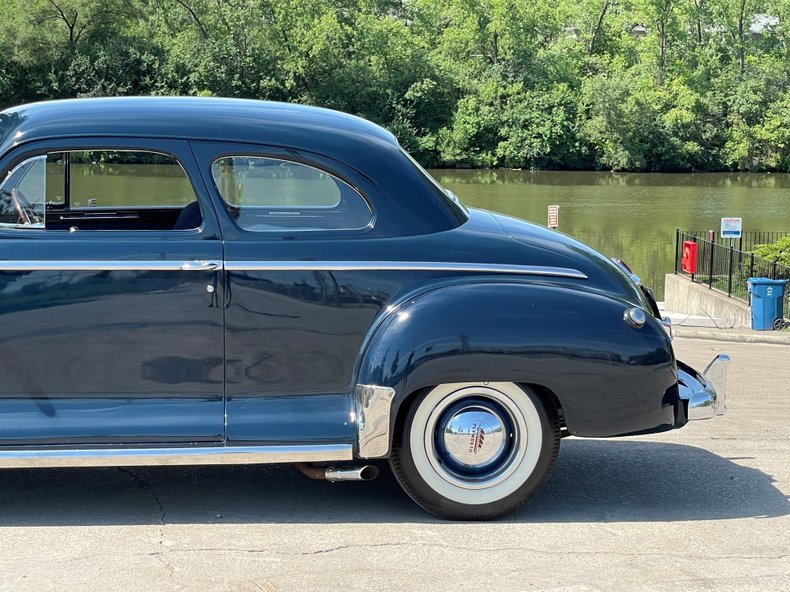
{"points": [[209, 118], [407, 201]]}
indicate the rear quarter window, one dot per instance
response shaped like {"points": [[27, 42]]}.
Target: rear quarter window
{"points": [[268, 194]]}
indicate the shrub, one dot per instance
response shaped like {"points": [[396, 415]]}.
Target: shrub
{"points": [[777, 251]]}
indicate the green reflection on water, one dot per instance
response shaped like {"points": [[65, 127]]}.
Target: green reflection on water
{"points": [[632, 216]]}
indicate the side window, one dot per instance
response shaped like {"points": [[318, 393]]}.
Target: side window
{"points": [[99, 190], [121, 179], [268, 194]]}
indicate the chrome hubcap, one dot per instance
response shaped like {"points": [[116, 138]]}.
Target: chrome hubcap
{"points": [[474, 437]]}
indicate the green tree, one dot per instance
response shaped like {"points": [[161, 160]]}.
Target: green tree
{"points": [[625, 85]]}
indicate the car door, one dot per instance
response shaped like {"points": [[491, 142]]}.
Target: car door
{"points": [[294, 328], [111, 321]]}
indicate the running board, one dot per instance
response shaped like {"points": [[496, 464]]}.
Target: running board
{"points": [[140, 457]]}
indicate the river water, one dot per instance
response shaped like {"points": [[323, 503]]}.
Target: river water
{"points": [[632, 216]]}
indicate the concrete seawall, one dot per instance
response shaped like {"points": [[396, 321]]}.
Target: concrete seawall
{"points": [[680, 294]]}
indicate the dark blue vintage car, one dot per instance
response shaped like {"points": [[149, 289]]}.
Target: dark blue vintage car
{"points": [[201, 281]]}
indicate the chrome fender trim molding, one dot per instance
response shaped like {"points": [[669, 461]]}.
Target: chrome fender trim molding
{"points": [[373, 408], [538, 270], [54, 457]]}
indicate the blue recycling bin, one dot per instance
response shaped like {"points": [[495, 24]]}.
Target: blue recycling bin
{"points": [[767, 302]]}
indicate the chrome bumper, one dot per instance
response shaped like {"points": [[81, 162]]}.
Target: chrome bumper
{"points": [[706, 393]]}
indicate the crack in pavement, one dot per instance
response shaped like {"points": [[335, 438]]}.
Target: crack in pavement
{"points": [[145, 488], [440, 546]]}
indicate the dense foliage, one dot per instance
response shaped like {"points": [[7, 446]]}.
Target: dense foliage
{"points": [[778, 251], [605, 84]]}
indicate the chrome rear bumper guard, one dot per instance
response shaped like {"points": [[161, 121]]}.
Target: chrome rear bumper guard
{"points": [[706, 393]]}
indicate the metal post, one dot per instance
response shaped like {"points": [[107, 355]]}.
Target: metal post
{"points": [[694, 238], [677, 248], [751, 266], [773, 270], [710, 266], [729, 274]]}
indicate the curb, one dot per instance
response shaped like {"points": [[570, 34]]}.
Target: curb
{"points": [[724, 335]]}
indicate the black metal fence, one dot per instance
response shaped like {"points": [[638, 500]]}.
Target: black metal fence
{"points": [[725, 268], [746, 243]]}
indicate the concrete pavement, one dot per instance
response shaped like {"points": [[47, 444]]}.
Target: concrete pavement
{"points": [[702, 508]]}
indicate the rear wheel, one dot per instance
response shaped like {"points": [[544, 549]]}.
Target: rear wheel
{"points": [[476, 451]]}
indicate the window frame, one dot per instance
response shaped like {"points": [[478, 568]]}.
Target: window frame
{"points": [[284, 230], [177, 149]]}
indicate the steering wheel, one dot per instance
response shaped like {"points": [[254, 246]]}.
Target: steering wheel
{"points": [[21, 204]]}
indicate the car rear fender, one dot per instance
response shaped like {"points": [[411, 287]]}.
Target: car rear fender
{"points": [[610, 378]]}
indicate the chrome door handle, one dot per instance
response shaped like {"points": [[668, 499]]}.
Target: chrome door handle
{"points": [[200, 265]]}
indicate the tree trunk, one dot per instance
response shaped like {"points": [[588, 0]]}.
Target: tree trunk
{"points": [[741, 41], [699, 6], [598, 25]]}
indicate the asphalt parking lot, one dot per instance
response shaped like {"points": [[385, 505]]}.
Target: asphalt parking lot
{"points": [[702, 508]]}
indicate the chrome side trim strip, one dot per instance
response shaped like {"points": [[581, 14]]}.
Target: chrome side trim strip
{"points": [[138, 457], [404, 266], [374, 406], [110, 265], [536, 270]]}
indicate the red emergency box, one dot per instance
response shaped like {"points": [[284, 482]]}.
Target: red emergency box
{"points": [[689, 261]]}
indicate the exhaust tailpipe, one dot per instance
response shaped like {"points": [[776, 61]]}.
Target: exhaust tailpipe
{"points": [[363, 473]]}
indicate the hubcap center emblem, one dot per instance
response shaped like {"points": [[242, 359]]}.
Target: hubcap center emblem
{"points": [[477, 438]]}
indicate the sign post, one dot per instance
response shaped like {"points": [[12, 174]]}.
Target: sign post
{"points": [[731, 227], [554, 216]]}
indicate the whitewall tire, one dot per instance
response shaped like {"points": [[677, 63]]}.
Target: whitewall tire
{"points": [[475, 451]]}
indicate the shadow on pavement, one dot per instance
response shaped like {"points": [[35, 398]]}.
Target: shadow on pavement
{"points": [[637, 481], [594, 481]]}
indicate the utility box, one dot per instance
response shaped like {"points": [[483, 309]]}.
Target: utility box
{"points": [[767, 298], [689, 261]]}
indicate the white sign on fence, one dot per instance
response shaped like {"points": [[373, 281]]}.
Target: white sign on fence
{"points": [[554, 216], [731, 227]]}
